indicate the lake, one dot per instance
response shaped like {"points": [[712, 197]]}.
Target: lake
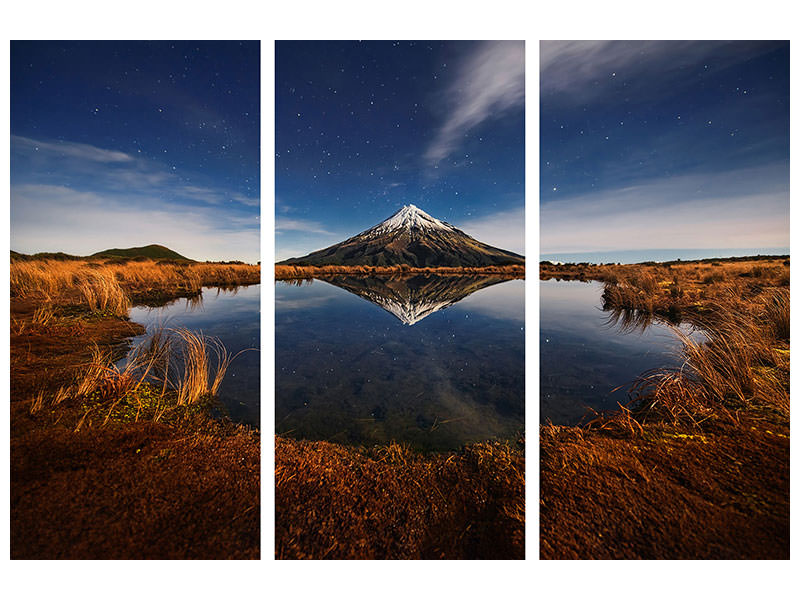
{"points": [[233, 316], [589, 358], [434, 362]]}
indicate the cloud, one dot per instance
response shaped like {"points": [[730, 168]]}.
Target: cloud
{"points": [[74, 150], [298, 237], [246, 200], [302, 225], [58, 218], [744, 208], [490, 82], [505, 229], [575, 72], [75, 163]]}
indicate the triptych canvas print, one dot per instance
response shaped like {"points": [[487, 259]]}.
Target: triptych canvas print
{"points": [[141, 385]]}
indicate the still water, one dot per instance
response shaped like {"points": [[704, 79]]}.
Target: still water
{"points": [[589, 358], [435, 362], [233, 316]]}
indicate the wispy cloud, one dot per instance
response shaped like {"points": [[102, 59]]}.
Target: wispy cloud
{"points": [[302, 225], [575, 71], [73, 150], [298, 237], [743, 208], [505, 229], [121, 173], [490, 82]]}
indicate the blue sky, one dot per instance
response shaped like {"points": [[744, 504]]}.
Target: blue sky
{"points": [[118, 144], [663, 145], [363, 128]]}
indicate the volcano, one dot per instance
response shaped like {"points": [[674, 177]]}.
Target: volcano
{"points": [[410, 237]]}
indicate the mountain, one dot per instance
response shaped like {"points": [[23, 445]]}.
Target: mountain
{"points": [[413, 298], [153, 251], [410, 237]]}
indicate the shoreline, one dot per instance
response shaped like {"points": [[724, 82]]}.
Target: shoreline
{"points": [[131, 478], [698, 466], [284, 272]]}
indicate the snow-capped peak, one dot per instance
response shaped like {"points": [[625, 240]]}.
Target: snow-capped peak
{"points": [[409, 217]]}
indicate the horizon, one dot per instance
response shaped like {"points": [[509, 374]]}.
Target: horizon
{"points": [[90, 254], [363, 128], [660, 255], [677, 144], [114, 144]]}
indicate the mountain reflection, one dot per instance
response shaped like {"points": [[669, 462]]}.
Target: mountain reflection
{"points": [[411, 298]]}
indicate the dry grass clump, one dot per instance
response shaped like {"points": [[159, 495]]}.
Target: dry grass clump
{"points": [[205, 362], [43, 315], [742, 364], [171, 368], [622, 294], [102, 293]]}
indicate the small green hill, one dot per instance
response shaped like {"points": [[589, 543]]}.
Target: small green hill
{"points": [[153, 251]]}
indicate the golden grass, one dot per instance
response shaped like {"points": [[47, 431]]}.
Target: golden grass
{"points": [[389, 502], [105, 284], [701, 448], [742, 362], [43, 315], [37, 402], [102, 293], [170, 368], [205, 362]]}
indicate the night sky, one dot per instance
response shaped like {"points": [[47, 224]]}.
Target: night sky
{"points": [[118, 144], [663, 145], [363, 128]]}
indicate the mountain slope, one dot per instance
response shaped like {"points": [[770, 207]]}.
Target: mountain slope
{"points": [[153, 251], [410, 237]]}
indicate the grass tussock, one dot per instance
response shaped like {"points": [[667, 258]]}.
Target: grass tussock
{"points": [[102, 293], [742, 364], [169, 373], [104, 461], [205, 362]]}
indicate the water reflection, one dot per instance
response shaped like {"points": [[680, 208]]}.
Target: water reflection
{"points": [[590, 357], [233, 316], [351, 373], [626, 320], [411, 298]]}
